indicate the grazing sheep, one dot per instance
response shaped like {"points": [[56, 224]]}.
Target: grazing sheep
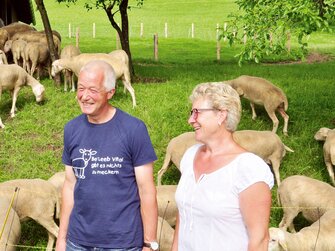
{"points": [[17, 47], [265, 144], [262, 92], [36, 199], [317, 237], [10, 227], [164, 235], [17, 27], [167, 206], [36, 56], [303, 194], [13, 78], [3, 58], [328, 135], [68, 52], [118, 60]]}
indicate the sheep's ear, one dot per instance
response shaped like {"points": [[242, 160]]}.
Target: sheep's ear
{"points": [[282, 241], [239, 91]]}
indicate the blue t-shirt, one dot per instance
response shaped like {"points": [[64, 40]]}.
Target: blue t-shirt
{"points": [[106, 210]]}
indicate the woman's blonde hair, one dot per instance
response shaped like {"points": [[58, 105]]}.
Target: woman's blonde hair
{"points": [[220, 96]]}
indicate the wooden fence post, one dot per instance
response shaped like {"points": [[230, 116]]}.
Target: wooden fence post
{"points": [[225, 29], [166, 30], [217, 31], [70, 30], [288, 44], [218, 50], [77, 37], [117, 41], [156, 46], [141, 30], [93, 30], [192, 30]]}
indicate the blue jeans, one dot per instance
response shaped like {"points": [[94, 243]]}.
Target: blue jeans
{"points": [[70, 246]]}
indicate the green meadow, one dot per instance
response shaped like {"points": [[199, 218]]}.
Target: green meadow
{"points": [[31, 144]]}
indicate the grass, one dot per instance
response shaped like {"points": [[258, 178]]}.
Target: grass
{"points": [[31, 144]]}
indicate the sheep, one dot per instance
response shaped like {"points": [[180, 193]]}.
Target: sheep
{"points": [[17, 47], [68, 52], [3, 58], [265, 144], [39, 37], [13, 78], [319, 236], [303, 194], [260, 91], [36, 55], [167, 207], [4, 36], [328, 135], [10, 227], [36, 199], [57, 180], [17, 27], [164, 235], [118, 60]]}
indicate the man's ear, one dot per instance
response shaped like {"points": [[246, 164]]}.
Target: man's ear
{"points": [[111, 93]]}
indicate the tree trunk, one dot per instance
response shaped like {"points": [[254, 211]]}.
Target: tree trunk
{"points": [[48, 32], [124, 32]]}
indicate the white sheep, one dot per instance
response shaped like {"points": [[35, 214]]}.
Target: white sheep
{"points": [[68, 52], [36, 56], [4, 36], [164, 235], [328, 135], [17, 47], [317, 237], [3, 58], [36, 199], [309, 196], [167, 206], [260, 91], [265, 144], [17, 27], [57, 180], [13, 78], [118, 60], [10, 227]]}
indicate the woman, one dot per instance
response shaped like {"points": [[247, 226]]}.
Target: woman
{"points": [[223, 196]]}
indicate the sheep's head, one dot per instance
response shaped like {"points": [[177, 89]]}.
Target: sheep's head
{"points": [[322, 134], [277, 240], [55, 68], [8, 45], [38, 91]]}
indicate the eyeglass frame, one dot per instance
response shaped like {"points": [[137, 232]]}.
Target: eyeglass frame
{"points": [[195, 111]]}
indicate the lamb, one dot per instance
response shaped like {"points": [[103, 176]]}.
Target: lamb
{"points": [[10, 230], [118, 60], [319, 236], [265, 144], [35, 199], [303, 194], [164, 235], [36, 55], [262, 92], [13, 78], [328, 135], [3, 58], [68, 52], [17, 47], [167, 206]]}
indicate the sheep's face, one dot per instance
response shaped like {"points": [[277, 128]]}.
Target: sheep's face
{"points": [[38, 91], [55, 68], [7, 46], [277, 240], [322, 134]]}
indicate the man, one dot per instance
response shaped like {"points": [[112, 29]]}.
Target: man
{"points": [[109, 196]]}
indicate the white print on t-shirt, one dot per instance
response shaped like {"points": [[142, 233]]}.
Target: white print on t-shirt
{"points": [[81, 163], [106, 165]]}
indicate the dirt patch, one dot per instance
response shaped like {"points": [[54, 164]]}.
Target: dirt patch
{"points": [[312, 58]]}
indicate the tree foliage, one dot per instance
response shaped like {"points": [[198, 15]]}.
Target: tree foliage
{"points": [[265, 25], [112, 8]]}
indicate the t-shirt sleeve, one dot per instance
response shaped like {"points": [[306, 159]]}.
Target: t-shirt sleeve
{"points": [[142, 149], [250, 170], [66, 152]]}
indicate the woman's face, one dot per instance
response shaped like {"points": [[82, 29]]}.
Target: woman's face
{"points": [[203, 119]]}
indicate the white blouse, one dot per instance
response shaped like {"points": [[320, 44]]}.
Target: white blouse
{"points": [[209, 212]]}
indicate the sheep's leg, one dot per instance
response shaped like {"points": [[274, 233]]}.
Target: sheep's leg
{"points": [[254, 115], [130, 89], [33, 68], [273, 117], [330, 170], [285, 117], [275, 166], [14, 98], [287, 220], [1, 124], [51, 241], [52, 229], [163, 169], [73, 84]]}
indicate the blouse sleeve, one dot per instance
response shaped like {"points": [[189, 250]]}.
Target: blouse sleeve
{"points": [[250, 170]]}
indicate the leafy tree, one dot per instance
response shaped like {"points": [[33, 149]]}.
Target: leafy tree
{"points": [[111, 8], [265, 25]]}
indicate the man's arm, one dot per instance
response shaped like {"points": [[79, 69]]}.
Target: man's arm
{"points": [[147, 192], [66, 207]]}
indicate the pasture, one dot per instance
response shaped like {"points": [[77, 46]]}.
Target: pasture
{"points": [[31, 143]]}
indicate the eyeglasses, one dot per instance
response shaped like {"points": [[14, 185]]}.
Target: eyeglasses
{"points": [[195, 111]]}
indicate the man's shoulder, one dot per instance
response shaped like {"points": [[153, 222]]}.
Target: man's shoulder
{"points": [[125, 117], [75, 121]]}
